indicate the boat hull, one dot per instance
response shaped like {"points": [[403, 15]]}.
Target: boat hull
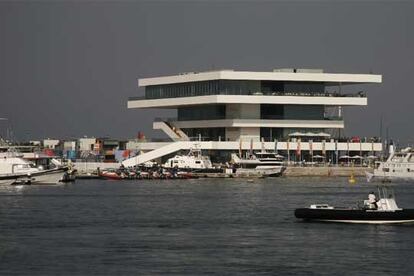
{"points": [[111, 175], [5, 182], [48, 177], [207, 170], [53, 176], [261, 171], [389, 178], [356, 216]]}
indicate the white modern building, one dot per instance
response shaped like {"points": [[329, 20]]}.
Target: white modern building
{"points": [[87, 144], [290, 110], [51, 143]]}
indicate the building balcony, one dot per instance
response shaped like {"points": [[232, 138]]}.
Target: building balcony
{"points": [[360, 94], [257, 123], [329, 99]]}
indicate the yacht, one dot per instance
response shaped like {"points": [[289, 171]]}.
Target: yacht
{"points": [[14, 169], [383, 210], [398, 167], [263, 163], [194, 161]]}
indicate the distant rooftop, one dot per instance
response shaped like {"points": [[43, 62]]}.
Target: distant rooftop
{"points": [[284, 74]]}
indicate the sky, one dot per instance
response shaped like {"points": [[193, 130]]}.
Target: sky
{"points": [[68, 68]]}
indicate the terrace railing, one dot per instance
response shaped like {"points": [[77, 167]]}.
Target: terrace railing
{"points": [[360, 94]]}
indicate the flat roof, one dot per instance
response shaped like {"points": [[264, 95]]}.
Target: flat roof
{"points": [[328, 78]]}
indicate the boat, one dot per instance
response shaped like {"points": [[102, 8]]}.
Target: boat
{"points": [[194, 161], [382, 211], [118, 174], [112, 175], [14, 169], [398, 167], [261, 163]]}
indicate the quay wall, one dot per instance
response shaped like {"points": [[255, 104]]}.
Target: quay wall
{"points": [[90, 167], [326, 171]]}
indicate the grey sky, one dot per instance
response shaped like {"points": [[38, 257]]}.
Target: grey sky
{"points": [[67, 69]]}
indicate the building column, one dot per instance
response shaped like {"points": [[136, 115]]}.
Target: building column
{"points": [[243, 111]]}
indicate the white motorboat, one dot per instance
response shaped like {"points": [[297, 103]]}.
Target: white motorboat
{"points": [[193, 161], [398, 167], [16, 170], [263, 163]]}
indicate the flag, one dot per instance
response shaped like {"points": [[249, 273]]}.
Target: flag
{"points": [[263, 145], [251, 147], [288, 152], [275, 146], [240, 148], [298, 149], [323, 148], [311, 147]]}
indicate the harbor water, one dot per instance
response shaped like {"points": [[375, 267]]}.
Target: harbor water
{"points": [[195, 227]]}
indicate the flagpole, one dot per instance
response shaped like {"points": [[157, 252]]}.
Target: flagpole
{"points": [[288, 153]]}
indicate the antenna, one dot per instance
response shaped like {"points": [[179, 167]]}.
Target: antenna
{"points": [[4, 119], [380, 128]]}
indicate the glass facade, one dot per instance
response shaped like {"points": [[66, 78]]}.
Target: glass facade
{"points": [[205, 112], [202, 88], [232, 87], [271, 111], [304, 87], [303, 112], [206, 134], [271, 133], [292, 112]]}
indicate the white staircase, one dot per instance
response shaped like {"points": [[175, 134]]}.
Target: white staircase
{"points": [[175, 133], [162, 151]]}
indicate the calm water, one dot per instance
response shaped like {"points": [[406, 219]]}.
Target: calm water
{"points": [[220, 226]]}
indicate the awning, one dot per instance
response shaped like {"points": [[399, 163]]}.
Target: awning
{"points": [[309, 134], [356, 157]]}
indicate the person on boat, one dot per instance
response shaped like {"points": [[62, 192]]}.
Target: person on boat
{"points": [[372, 201]]}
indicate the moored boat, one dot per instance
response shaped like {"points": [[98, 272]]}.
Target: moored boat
{"points": [[382, 211], [112, 175], [14, 169], [398, 167], [260, 163], [194, 161]]}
